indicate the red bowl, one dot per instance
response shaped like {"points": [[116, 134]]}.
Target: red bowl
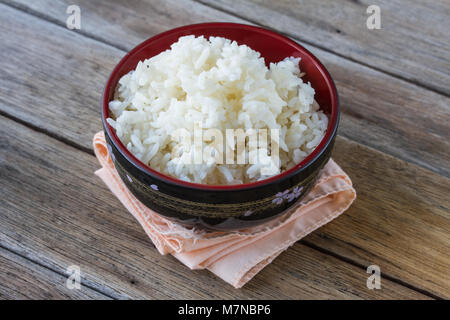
{"points": [[225, 206]]}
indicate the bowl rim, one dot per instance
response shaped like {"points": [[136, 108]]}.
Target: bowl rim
{"points": [[303, 165]]}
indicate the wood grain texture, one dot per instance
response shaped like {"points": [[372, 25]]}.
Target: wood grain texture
{"points": [[413, 42], [21, 279], [378, 110], [69, 217], [400, 220], [406, 232]]}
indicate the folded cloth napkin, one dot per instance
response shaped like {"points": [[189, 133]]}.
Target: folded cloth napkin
{"points": [[234, 256]]}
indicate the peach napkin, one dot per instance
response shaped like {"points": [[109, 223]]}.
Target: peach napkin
{"points": [[234, 256]]}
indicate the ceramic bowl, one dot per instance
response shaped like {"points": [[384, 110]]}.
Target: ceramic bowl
{"points": [[232, 206]]}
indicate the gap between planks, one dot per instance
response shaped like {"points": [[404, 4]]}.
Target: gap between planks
{"points": [[58, 23], [49, 133], [359, 265], [63, 275]]}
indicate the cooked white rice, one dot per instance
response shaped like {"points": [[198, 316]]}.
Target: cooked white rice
{"points": [[221, 85]]}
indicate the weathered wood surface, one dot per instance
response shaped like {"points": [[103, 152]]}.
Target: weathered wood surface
{"points": [[378, 110], [400, 220], [413, 42], [69, 217], [22, 279]]}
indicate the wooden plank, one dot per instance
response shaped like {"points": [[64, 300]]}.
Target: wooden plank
{"points": [[125, 24], [21, 279], [56, 212], [410, 45], [399, 221], [378, 110], [413, 42]]}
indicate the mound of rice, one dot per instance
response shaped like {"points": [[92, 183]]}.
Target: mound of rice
{"points": [[221, 85]]}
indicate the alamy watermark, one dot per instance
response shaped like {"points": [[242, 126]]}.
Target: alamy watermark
{"points": [[374, 281], [74, 277], [74, 19], [374, 20], [239, 146]]}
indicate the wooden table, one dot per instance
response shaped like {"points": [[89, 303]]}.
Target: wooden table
{"points": [[394, 142]]}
